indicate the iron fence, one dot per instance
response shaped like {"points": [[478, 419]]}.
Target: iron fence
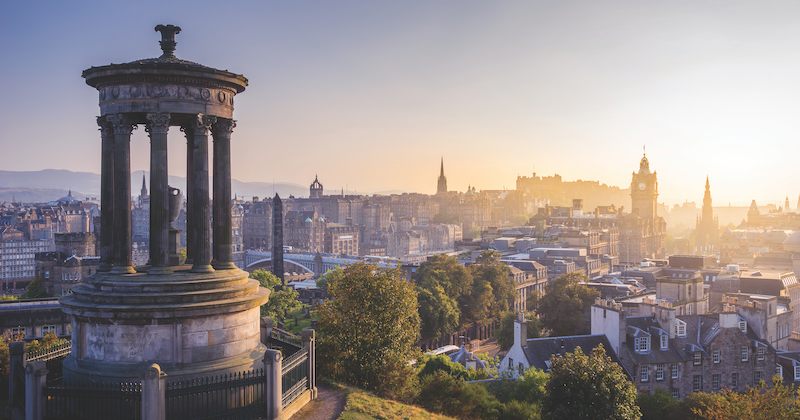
{"points": [[285, 341], [122, 401], [54, 358], [235, 396], [294, 376]]}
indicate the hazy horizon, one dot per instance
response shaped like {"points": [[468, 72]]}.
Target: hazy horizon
{"points": [[370, 96]]}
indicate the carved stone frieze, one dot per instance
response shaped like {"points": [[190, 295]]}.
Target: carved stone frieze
{"points": [[156, 91]]}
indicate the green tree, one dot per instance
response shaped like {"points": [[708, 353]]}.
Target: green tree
{"points": [[757, 403], [563, 307], [428, 365], [449, 273], [369, 329], [324, 280], [443, 393], [658, 406], [438, 314], [520, 220], [35, 290], [445, 219], [505, 334], [588, 387], [282, 300], [489, 269]]}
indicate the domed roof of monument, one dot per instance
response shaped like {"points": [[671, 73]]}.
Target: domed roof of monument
{"points": [[68, 198], [793, 239], [166, 64], [727, 232]]}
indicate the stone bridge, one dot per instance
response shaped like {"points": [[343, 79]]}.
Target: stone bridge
{"points": [[313, 263]]}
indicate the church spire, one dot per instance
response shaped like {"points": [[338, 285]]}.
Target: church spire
{"points": [[441, 186], [144, 186]]}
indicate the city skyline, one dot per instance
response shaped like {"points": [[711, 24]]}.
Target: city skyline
{"points": [[371, 96]]}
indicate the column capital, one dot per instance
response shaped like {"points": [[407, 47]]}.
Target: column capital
{"points": [[104, 124], [122, 124], [201, 125], [223, 127], [158, 122]]}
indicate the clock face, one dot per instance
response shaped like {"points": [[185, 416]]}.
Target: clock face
{"points": [[642, 185]]}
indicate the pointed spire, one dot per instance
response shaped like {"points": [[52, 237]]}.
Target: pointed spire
{"points": [[441, 173], [708, 186]]}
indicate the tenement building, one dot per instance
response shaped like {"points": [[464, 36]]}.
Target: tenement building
{"points": [[74, 259]]}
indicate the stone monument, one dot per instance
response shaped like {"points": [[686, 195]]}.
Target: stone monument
{"points": [[192, 319]]}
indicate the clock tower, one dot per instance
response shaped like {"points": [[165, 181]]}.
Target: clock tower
{"points": [[644, 192]]}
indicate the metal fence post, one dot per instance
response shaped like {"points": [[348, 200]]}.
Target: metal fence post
{"points": [[273, 367], [309, 342], [153, 394], [35, 381]]}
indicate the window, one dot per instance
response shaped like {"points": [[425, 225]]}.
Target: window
{"points": [[47, 329], [676, 394], [644, 375], [715, 356], [734, 379], [660, 372], [760, 353], [779, 371], [680, 329], [19, 330], [664, 341], [715, 379], [676, 370], [796, 372], [697, 383], [697, 359], [743, 326], [688, 309], [510, 363], [641, 344], [744, 353], [757, 376]]}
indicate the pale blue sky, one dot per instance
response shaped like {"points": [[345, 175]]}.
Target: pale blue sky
{"points": [[370, 94]]}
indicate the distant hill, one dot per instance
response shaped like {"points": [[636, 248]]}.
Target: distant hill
{"points": [[51, 184]]}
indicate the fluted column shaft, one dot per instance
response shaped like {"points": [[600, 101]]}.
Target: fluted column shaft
{"points": [[106, 195], [190, 237], [123, 126], [223, 240], [200, 205], [158, 126]]}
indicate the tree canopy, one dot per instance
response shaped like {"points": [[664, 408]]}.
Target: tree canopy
{"points": [[588, 387], [505, 334], [369, 329], [562, 308], [282, 300], [489, 269]]}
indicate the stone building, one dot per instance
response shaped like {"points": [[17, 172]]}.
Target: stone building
{"points": [[257, 224], [17, 258], [34, 318], [682, 354], [341, 239], [74, 259], [305, 230], [643, 232]]}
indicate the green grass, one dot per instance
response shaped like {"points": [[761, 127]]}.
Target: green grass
{"points": [[362, 405], [302, 321]]}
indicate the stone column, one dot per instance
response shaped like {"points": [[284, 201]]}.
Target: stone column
{"points": [[159, 194], [190, 238], [35, 381], [16, 350], [223, 240], [154, 394], [273, 364], [123, 127], [106, 195], [309, 342], [200, 205]]}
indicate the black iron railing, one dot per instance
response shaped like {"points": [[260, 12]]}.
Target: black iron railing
{"points": [[234, 396], [90, 401], [294, 376], [54, 358]]}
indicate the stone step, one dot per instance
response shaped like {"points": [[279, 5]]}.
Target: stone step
{"points": [[159, 296]]}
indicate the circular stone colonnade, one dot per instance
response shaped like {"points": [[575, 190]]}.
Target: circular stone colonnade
{"points": [[197, 317]]}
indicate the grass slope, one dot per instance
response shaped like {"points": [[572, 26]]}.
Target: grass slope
{"points": [[364, 406]]}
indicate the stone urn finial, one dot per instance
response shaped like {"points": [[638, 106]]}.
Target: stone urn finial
{"points": [[167, 42], [174, 204]]}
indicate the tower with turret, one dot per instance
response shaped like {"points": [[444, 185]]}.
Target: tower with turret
{"points": [[707, 226]]}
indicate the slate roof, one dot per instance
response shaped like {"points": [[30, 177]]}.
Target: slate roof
{"points": [[649, 325], [539, 350]]}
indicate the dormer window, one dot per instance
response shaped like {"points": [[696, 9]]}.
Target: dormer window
{"points": [[664, 341], [680, 328], [641, 344], [743, 326]]}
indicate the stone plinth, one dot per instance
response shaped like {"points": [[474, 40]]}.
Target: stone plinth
{"points": [[189, 323]]}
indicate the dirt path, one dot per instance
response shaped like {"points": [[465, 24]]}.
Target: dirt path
{"points": [[328, 405]]}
